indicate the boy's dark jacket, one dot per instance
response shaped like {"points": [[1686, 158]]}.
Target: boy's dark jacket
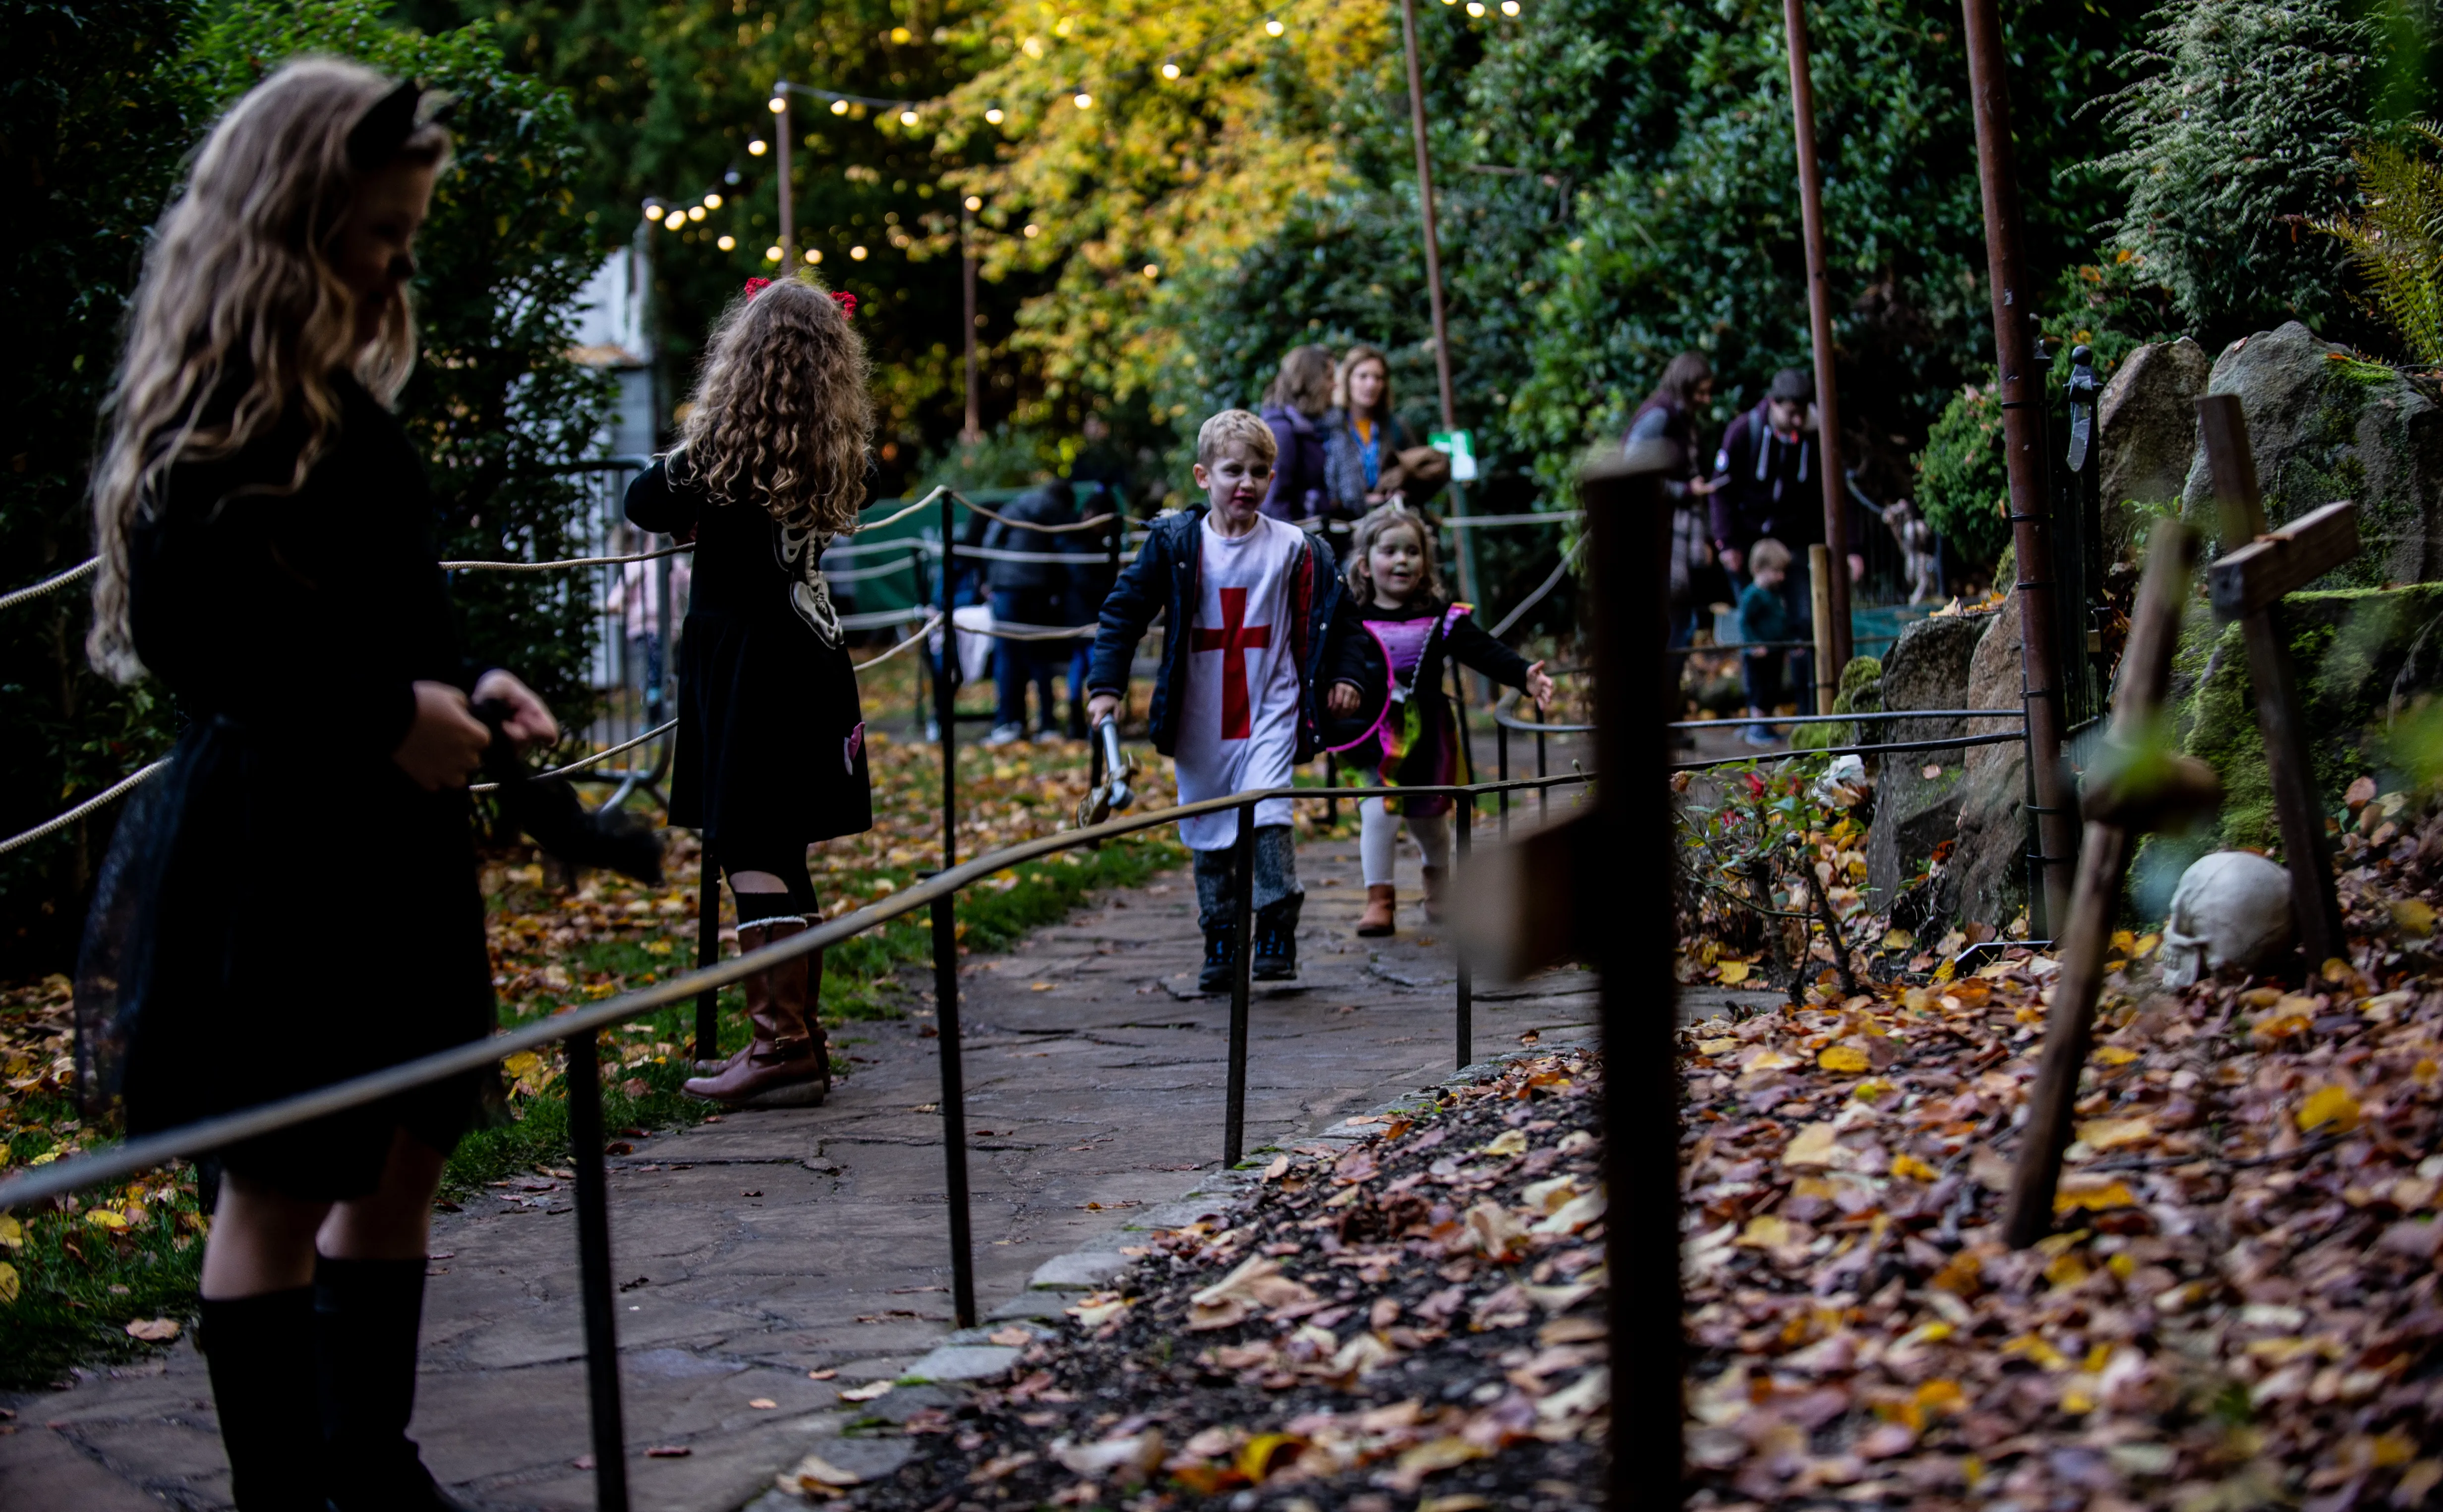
{"points": [[1163, 580]]}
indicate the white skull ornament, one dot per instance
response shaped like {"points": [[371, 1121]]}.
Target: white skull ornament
{"points": [[2232, 908]]}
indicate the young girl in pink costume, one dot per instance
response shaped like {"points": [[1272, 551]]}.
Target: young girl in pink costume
{"points": [[1396, 595]]}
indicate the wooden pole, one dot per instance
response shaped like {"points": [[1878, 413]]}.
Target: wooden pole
{"points": [[1466, 543], [1819, 321], [974, 430], [2022, 389], [1819, 567], [1624, 906], [2086, 930], [780, 133], [2306, 850]]}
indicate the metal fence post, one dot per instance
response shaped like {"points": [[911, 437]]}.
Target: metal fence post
{"points": [[1543, 796], [1466, 980], [707, 952], [954, 1106], [945, 691], [594, 1268], [1501, 748], [1332, 784], [1243, 934]]}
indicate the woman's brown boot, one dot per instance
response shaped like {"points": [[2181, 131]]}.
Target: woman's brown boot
{"points": [[1379, 918], [787, 1064]]}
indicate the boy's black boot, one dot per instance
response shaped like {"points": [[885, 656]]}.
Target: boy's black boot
{"points": [[1276, 925], [367, 1314], [261, 1354], [1220, 958]]}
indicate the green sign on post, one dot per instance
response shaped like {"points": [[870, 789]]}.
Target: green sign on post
{"points": [[1460, 445]]}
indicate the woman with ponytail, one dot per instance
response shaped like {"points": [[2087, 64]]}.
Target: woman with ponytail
{"points": [[265, 538]]}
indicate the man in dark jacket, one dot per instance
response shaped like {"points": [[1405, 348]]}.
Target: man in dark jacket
{"points": [[1027, 593], [1769, 482]]}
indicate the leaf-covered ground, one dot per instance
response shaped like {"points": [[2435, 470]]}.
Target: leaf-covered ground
{"points": [[1414, 1318], [2238, 1308]]}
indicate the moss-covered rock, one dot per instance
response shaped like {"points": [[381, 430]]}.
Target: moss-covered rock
{"points": [[2325, 425], [1861, 692], [2358, 656]]}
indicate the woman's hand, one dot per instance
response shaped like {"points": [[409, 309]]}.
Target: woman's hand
{"points": [[1539, 687], [530, 722], [444, 745], [1341, 698]]}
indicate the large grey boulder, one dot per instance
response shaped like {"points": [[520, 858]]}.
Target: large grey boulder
{"points": [[1987, 874], [2325, 425], [1926, 669], [2147, 431]]}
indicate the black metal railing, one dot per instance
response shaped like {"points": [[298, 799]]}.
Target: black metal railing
{"points": [[579, 1030]]}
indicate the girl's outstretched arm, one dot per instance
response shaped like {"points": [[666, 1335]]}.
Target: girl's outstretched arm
{"points": [[1475, 649], [654, 504]]}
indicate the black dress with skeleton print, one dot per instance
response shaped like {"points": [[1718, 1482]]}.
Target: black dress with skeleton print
{"points": [[771, 741]]}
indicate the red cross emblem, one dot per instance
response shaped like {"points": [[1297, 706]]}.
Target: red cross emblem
{"points": [[1235, 635]]}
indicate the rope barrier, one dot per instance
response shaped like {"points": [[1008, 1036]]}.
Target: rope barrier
{"points": [[1534, 517], [117, 790], [1014, 631], [565, 561], [1537, 597], [32, 591], [131, 779], [858, 574]]}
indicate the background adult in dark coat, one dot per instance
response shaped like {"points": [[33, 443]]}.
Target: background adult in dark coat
{"points": [[1029, 593], [1294, 406]]}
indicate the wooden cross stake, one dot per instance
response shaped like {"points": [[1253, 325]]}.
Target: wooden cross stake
{"points": [[2135, 786], [2246, 583]]}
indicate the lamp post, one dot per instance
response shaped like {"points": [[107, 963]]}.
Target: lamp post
{"points": [[975, 427], [1819, 319]]}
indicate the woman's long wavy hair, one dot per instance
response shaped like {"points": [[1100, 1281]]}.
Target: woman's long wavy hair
{"points": [[782, 410], [1304, 382], [1360, 572], [238, 288]]}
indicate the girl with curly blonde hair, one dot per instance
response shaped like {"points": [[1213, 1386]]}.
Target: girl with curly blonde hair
{"points": [[771, 745], [268, 557]]}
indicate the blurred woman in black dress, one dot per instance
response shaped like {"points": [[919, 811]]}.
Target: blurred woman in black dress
{"points": [[266, 536]]}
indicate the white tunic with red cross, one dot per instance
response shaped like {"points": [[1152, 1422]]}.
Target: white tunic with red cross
{"points": [[1238, 728]]}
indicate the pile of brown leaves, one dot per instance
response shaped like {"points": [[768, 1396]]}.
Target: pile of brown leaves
{"points": [[2239, 1308], [1415, 1317]]}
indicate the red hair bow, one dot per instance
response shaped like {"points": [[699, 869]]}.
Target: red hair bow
{"points": [[755, 287], [847, 302]]}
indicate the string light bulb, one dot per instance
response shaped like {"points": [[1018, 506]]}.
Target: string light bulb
{"points": [[1475, 8], [728, 244], [771, 254], [840, 107], [695, 212], [712, 202], [1170, 70], [1084, 100], [778, 103], [1153, 270], [857, 254], [1275, 27], [1509, 7], [758, 147], [1033, 230], [995, 116], [908, 118], [975, 202], [652, 210], [812, 257], [675, 221]]}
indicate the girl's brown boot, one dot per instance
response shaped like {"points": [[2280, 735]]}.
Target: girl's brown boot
{"points": [[1378, 919], [787, 1065]]}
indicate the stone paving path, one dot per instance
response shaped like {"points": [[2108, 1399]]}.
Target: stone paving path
{"points": [[758, 1247]]}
